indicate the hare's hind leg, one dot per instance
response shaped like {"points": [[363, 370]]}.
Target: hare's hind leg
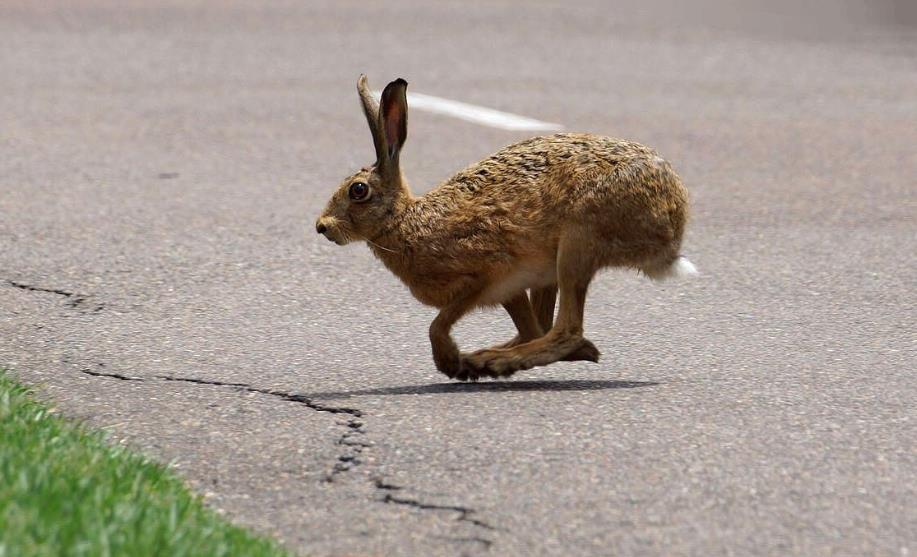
{"points": [[543, 300], [575, 268], [520, 310]]}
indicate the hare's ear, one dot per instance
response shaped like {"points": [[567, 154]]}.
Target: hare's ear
{"points": [[393, 122], [371, 111]]}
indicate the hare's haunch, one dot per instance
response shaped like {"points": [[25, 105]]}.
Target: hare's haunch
{"points": [[537, 217]]}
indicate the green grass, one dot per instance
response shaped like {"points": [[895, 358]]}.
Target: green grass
{"points": [[65, 491]]}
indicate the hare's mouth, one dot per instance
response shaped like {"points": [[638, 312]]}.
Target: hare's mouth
{"points": [[337, 236], [332, 238]]}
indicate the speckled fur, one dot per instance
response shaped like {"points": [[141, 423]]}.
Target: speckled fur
{"points": [[541, 214]]}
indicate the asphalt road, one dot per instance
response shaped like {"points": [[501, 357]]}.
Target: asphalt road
{"points": [[161, 166]]}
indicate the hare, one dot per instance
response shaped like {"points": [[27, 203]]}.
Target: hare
{"points": [[542, 215]]}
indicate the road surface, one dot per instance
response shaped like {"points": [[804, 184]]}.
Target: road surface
{"points": [[161, 167]]}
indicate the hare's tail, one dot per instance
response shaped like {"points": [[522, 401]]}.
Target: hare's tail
{"points": [[675, 268]]}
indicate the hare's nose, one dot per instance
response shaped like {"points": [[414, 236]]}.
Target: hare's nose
{"points": [[320, 228]]}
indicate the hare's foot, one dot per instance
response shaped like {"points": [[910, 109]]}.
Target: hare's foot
{"points": [[470, 372], [450, 364], [489, 361], [503, 362], [587, 352], [456, 366]]}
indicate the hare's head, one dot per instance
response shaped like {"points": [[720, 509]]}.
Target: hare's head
{"points": [[367, 202]]}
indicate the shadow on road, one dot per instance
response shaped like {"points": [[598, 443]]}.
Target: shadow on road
{"points": [[487, 387]]}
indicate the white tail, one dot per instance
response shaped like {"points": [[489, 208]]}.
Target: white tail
{"points": [[678, 268]]}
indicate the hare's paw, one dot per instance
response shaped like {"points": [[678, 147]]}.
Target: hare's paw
{"points": [[565, 348], [586, 352], [494, 362], [504, 362], [471, 372], [448, 362], [456, 366]]}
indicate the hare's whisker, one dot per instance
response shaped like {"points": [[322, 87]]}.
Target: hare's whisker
{"points": [[380, 247]]}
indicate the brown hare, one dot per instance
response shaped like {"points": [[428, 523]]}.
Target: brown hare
{"points": [[542, 215]]}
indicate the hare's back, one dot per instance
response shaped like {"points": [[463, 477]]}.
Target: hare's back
{"points": [[559, 158], [571, 177]]}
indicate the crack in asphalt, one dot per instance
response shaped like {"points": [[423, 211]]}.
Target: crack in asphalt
{"points": [[111, 375], [301, 399], [381, 484], [354, 447], [465, 513], [74, 300], [469, 539], [351, 440]]}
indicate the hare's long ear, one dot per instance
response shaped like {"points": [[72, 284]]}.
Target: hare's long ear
{"points": [[371, 111], [393, 122]]}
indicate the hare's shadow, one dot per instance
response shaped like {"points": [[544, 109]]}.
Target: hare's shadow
{"points": [[489, 387]]}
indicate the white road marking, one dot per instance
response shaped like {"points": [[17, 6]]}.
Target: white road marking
{"points": [[476, 114]]}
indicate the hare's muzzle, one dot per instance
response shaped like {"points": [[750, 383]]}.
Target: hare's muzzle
{"points": [[327, 227], [323, 225]]}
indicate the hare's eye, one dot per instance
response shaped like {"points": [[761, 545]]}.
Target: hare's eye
{"points": [[359, 191]]}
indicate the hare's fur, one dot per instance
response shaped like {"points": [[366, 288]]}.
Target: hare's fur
{"points": [[541, 215]]}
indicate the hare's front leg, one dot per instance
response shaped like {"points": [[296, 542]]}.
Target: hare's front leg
{"points": [[446, 354], [520, 311], [543, 300]]}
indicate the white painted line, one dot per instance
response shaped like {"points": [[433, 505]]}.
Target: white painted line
{"points": [[476, 114]]}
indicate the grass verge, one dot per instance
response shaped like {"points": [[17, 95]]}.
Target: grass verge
{"points": [[65, 491]]}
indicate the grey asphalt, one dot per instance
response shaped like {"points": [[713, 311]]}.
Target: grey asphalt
{"points": [[161, 166]]}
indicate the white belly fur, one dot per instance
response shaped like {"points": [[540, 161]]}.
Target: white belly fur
{"points": [[516, 282]]}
